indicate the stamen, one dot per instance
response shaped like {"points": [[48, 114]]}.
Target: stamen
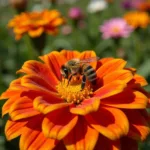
{"points": [[72, 92]]}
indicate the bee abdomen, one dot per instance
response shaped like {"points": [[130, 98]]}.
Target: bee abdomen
{"points": [[91, 74]]}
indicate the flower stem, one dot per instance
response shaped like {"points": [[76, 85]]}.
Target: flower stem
{"points": [[31, 51]]}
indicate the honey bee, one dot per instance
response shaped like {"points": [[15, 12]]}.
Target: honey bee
{"points": [[82, 67]]}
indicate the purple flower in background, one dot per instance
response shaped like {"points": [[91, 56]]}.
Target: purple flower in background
{"points": [[115, 28], [75, 13], [131, 4]]}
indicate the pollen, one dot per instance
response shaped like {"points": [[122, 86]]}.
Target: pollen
{"points": [[72, 92]]}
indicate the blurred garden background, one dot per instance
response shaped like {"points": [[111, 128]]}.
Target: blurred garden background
{"points": [[87, 26]]}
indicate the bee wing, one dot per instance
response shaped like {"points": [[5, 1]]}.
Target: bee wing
{"points": [[90, 59]]}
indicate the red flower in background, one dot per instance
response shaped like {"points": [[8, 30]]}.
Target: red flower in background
{"points": [[48, 113]]}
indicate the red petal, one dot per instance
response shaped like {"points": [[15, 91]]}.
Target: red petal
{"points": [[128, 144], [22, 108], [88, 54], [58, 124], [54, 60], [34, 139], [82, 137], [139, 127], [110, 66], [86, 107], [104, 143], [110, 122], [127, 99], [60, 146], [14, 128], [37, 84], [45, 107], [70, 54], [123, 75], [110, 89], [33, 67]]}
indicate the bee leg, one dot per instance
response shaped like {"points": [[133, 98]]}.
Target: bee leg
{"points": [[83, 82], [70, 78]]}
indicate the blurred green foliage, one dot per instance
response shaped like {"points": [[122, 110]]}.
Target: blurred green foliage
{"points": [[135, 49]]}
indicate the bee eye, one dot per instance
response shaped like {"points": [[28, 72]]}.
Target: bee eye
{"points": [[65, 70]]}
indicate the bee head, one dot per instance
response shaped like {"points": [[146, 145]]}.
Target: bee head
{"points": [[64, 71]]}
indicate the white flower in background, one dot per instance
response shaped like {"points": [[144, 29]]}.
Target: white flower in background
{"points": [[96, 6]]}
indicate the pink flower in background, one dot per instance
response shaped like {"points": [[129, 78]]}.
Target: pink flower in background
{"points": [[66, 30], [75, 13], [115, 28]]}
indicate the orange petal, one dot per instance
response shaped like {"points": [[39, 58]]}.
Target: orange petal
{"points": [[11, 90], [110, 122], [54, 60], [104, 143], [34, 139], [9, 103], [82, 137], [57, 22], [45, 107], [127, 99], [139, 127], [88, 54], [138, 80], [103, 61], [58, 124], [110, 66], [14, 128], [22, 108], [123, 75], [36, 83], [110, 89], [37, 68], [70, 54], [36, 32], [86, 107], [128, 144]]}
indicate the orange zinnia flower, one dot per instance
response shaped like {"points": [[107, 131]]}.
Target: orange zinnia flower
{"points": [[47, 111], [137, 19], [144, 6], [36, 23]]}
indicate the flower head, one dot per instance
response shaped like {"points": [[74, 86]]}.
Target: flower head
{"points": [[131, 4], [144, 6], [96, 6], [75, 13], [115, 28], [137, 19], [48, 110], [36, 23]]}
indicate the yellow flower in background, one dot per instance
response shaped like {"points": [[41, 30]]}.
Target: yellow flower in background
{"points": [[49, 110], [36, 23], [137, 19]]}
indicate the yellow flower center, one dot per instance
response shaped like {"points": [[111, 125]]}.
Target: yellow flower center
{"points": [[72, 92], [116, 30]]}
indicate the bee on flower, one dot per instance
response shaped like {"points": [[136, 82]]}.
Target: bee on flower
{"points": [[92, 105]]}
